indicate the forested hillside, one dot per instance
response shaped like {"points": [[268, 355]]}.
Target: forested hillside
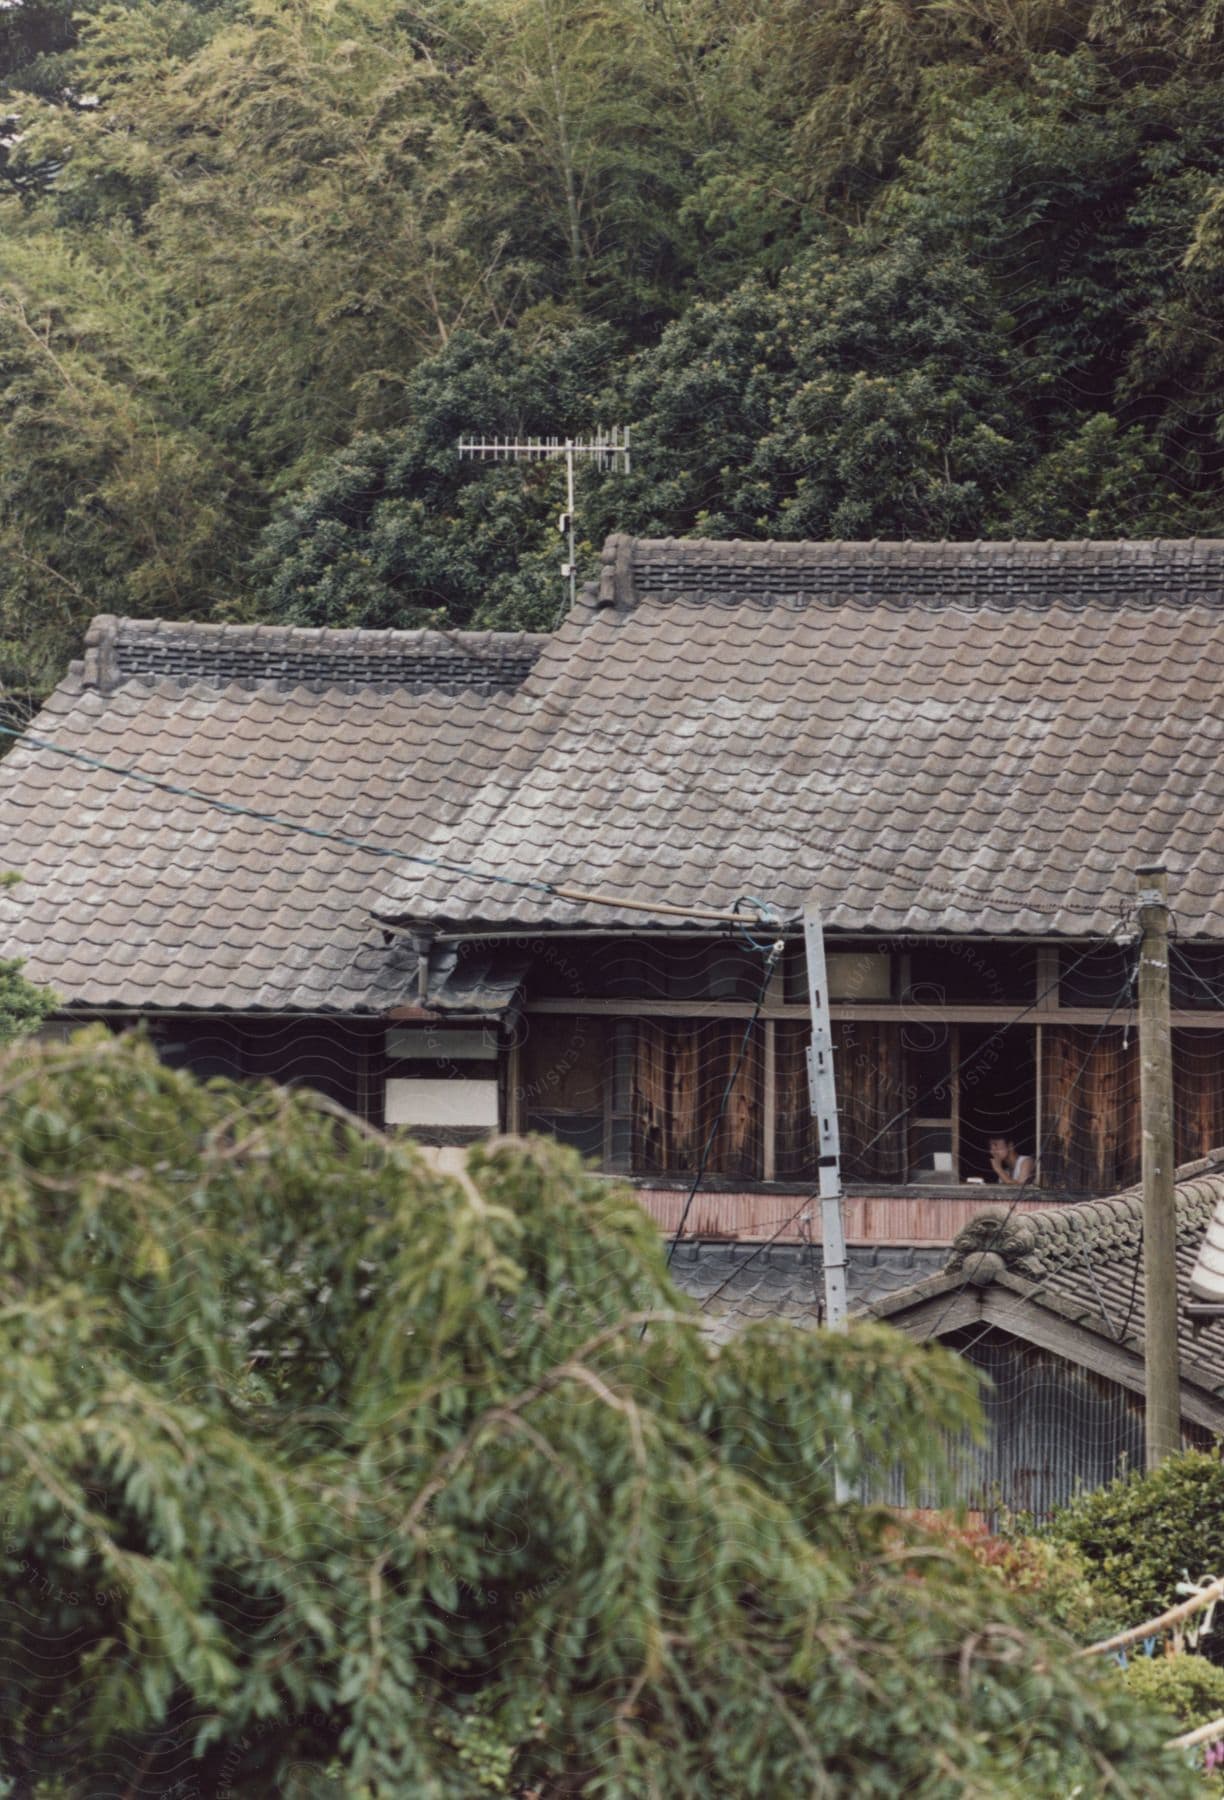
{"points": [[849, 270]]}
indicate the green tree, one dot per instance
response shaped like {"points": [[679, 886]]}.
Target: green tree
{"points": [[313, 1459], [865, 394], [23, 1007], [595, 108], [295, 174], [396, 530], [935, 269], [109, 498]]}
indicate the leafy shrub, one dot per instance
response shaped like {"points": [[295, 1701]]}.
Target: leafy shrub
{"points": [[1188, 1688], [1053, 1575], [1191, 1691], [1144, 1533]]}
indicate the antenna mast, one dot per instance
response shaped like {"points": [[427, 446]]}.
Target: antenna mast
{"points": [[607, 450]]}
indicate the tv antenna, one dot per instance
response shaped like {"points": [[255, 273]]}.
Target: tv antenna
{"points": [[607, 450]]}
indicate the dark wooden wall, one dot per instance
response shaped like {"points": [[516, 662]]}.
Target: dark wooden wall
{"points": [[682, 1068], [338, 1057], [1090, 1103], [871, 1101]]}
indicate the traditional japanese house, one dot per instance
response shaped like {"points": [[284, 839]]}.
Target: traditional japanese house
{"points": [[474, 881]]}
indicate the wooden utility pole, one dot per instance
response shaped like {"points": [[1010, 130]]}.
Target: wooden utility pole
{"points": [[1163, 1392]]}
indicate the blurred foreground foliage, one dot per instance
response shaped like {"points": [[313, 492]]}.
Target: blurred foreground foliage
{"points": [[23, 1006], [323, 1473]]}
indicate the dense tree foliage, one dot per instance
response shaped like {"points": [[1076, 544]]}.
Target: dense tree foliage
{"points": [[312, 1460], [23, 1006], [947, 268]]}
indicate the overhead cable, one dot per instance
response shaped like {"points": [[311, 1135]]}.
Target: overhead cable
{"points": [[442, 865]]}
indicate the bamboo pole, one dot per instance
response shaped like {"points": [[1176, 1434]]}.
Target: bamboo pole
{"points": [[1165, 1622], [1202, 1734]]}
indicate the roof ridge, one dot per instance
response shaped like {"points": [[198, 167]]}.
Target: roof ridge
{"points": [[953, 547], [944, 572], [1016, 1239], [118, 648], [120, 626]]}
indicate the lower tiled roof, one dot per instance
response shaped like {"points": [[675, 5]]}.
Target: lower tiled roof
{"points": [[735, 1284], [1084, 1263]]}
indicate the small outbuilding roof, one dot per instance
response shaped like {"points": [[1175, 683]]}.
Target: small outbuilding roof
{"points": [[1067, 1279], [1070, 1279], [737, 1284]]}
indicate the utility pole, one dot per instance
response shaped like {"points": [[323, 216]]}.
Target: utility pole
{"points": [[822, 1094], [1162, 1385], [608, 450]]}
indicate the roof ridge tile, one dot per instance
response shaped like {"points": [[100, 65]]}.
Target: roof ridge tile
{"points": [[1135, 573], [285, 657]]}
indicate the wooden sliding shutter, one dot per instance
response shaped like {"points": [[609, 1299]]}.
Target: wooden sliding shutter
{"points": [[867, 1066], [1198, 1092], [1090, 1104], [681, 1071], [1090, 1127]]}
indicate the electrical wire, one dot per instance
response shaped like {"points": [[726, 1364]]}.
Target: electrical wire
{"points": [[779, 836], [1179, 956], [1003, 1222], [767, 915], [389, 851], [813, 1193]]}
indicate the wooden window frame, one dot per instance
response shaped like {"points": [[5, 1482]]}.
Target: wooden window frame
{"points": [[841, 1012]]}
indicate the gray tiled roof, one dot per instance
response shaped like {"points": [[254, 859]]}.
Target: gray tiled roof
{"points": [[735, 1284], [981, 738], [1084, 1263], [133, 897], [927, 737]]}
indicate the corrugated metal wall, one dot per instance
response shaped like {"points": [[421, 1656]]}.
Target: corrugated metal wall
{"points": [[1053, 1429]]}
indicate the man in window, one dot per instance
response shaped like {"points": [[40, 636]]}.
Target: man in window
{"points": [[1010, 1169]]}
